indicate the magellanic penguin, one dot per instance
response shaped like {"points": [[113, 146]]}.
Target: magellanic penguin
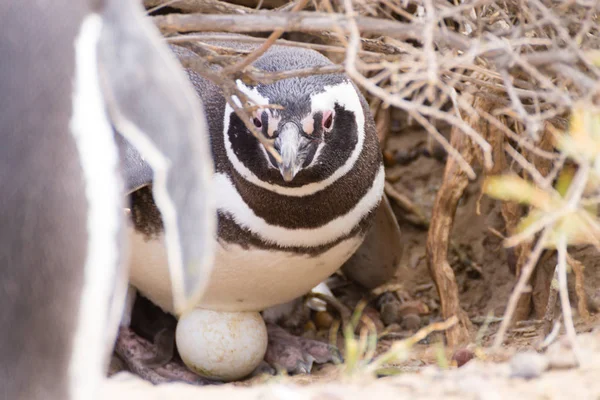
{"points": [[62, 277], [283, 227]]}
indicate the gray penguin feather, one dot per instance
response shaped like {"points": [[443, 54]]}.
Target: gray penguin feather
{"points": [[154, 107]]}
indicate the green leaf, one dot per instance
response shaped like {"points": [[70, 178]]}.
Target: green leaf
{"points": [[514, 188], [564, 180]]}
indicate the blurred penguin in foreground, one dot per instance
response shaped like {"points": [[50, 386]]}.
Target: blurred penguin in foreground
{"points": [[72, 72]]}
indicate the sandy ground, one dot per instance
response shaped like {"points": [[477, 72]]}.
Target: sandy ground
{"points": [[528, 376]]}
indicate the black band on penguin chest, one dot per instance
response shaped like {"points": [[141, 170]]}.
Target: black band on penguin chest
{"points": [[229, 232], [311, 211]]}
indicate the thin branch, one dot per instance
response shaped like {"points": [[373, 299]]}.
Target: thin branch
{"points": [[264, 77], [537, 177], [230, 90], [309, 22], [265, 46], [251, 39], [199, 6], [564, 296]]}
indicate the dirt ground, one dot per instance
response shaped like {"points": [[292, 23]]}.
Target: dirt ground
{"points": [[477, 255], [485, 281]]}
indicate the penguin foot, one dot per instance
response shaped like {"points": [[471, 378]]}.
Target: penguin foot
{"points": [[151, 361], [295, 354], [164, 347]]}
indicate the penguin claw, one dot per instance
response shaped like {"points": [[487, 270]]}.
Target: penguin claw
{"points": [[263, 368], [164, 349], [305, 367], [296, 355], [321, 352], [149, 364]]}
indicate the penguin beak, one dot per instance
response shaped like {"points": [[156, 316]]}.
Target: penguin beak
{"points": [[292, 147]]}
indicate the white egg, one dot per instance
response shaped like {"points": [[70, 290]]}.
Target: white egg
{"points": [[221, 345]]}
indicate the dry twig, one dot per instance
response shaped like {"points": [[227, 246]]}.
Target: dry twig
{"points": [[578, 271], [455, 181]]}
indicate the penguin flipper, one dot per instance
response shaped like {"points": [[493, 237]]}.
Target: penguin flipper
{"points": [[377, 259], [153, 106]]}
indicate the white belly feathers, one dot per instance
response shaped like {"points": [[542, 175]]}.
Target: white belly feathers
{"points": [[243, 279]]}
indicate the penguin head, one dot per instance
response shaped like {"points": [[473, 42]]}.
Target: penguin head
{"points": [[317, 127]]}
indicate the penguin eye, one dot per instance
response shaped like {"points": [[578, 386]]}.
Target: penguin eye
{"points": [[257, 122], [327, 120]]}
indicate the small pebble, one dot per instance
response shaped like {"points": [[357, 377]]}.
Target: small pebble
{"points": [[389, 314], [462, 356], [323, 320], [388, 305], [411, 322], [394, 328], [560, 355], [413, 307], [528, 365]]}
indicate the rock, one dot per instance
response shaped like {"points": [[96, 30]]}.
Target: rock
{"points": [[411, 322], [528, 365], [413, 307], [462, 356], [560, 355], [323, 319], [389, 305]]}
